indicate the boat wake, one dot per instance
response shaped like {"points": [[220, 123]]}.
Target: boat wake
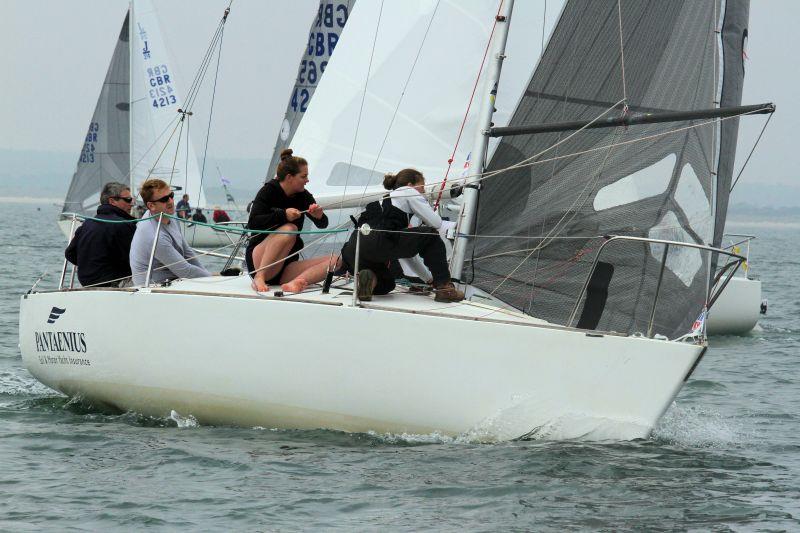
{"points": [[700, 427]]}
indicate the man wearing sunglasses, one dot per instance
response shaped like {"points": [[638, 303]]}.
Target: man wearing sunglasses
{"points": [[100, 249], [173, 258]]}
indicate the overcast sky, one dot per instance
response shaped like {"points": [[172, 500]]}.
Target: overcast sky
{"points": [[54, 55]]}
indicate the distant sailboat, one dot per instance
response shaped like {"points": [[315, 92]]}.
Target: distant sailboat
{"points": [[131, 135], [740, 305]]}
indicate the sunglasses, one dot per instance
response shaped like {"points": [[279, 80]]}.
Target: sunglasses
{"points": [[164, 199], [127, 199]]}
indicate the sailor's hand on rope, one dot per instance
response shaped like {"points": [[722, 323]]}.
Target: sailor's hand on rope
{"points": [[315, 210], [293, 214]]}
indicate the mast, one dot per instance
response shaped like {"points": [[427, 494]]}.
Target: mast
{"points": [[131, 22], [466, 220]]}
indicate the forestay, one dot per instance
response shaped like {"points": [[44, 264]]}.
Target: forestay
{"points": [[604, 55], [105, 154], [155, 103]]}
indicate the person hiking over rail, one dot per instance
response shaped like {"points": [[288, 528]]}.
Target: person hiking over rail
{"points": [[280, 205], [393, 214]]}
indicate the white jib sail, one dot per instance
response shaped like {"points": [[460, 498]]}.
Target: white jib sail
{"points": [[155, 101], [431, 49]]}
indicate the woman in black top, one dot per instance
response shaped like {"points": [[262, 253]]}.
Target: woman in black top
{"points": [[280, 205]]}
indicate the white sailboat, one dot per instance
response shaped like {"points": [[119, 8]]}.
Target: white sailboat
{"points": [[134, 133], [599, 353], [740, 305]]}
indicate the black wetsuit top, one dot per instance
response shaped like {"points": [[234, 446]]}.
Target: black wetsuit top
{"points": [[269, 211]]}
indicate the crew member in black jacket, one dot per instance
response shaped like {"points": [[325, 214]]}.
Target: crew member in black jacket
{"points": [[101, 249], [281, 205]]}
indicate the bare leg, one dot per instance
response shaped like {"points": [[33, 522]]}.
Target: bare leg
{"points": [[299, 274], [268, 255]]}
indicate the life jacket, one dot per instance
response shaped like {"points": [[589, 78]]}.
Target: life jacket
{"points": [[383, 215]]}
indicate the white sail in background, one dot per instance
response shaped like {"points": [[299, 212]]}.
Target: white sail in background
{"points": [[323, 36], [155, 101], [417, 127]]}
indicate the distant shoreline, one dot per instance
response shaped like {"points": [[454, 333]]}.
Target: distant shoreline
{"points": [[768, 223], [31, 200]]}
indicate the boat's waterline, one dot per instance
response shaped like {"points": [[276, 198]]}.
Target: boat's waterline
{"points": [[279, 363]]}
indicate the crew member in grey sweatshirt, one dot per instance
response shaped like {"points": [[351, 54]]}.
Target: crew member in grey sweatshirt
{"points": [[172, 250]]}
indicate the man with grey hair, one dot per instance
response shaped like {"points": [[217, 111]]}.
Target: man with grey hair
{"points": [[100, 247]]}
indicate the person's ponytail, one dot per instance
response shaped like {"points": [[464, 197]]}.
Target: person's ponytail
{"points": [[407, 176]]}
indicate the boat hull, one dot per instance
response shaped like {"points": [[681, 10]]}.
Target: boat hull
{"points": [[737, 309], [207, 237], [274, 363]]}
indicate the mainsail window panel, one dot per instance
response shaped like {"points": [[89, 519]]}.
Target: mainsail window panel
{"points": [[692, 201], [683, 261], [343, 175], [649, 181]]}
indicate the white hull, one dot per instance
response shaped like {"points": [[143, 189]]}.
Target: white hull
{"points": [[317, 362], [737, 309], [209, 238]]}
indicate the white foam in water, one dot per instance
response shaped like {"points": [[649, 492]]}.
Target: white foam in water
{"points": [[700, 427], [13, 384], [183, 421], [553, 423]]}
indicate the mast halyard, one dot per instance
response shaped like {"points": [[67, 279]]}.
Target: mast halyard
{"points": [[466, 219]]}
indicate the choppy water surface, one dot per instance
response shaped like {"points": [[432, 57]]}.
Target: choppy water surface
{"points": [[726, 455]]}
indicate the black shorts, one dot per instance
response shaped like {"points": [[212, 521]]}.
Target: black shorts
{"points": [[276, 279]]}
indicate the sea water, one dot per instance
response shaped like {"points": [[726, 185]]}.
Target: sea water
{"points": [[725, 456]]}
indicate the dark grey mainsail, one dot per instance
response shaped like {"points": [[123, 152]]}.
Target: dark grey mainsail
{"points": [[325, 31], [656, 180], [105, 154]]}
